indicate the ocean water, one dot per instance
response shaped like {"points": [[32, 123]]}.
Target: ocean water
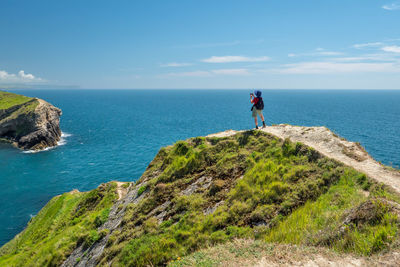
{"points": [[114, 134]]}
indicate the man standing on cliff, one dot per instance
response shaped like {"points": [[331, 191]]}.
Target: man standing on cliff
{"points": [[258, 106]]}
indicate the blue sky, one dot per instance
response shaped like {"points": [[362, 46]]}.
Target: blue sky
{"points": [[343, 44]]}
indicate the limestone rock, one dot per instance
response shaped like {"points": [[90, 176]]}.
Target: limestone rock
{"points": [[33, 125]]}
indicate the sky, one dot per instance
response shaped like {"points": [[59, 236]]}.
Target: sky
{"points": [[266, 44]]}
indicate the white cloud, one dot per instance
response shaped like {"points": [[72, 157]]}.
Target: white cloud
{"points": [[375, 44], [379, 57], [27, 76], [230, 59], [393, 6], [335, 67], [20, 77], [393, 49], [6, 76], [318, 52], [175, 64]]}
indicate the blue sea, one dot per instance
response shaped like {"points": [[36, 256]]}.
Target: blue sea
{"points": [[114, 134]]}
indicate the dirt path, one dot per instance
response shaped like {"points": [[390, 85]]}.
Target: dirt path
{"points": [[333, 146], [121, 190], [257, 253]]}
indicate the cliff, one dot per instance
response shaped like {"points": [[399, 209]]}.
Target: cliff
{"points": [[213, 191], [28, 123]]}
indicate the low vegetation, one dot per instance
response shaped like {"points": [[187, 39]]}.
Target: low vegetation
{"points": [[8, 100], [23, 106], [260, 188], [65, 222], [249, 253], [208, 191]]}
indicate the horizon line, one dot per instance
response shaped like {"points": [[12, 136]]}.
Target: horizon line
{"points": [[252, 88]]}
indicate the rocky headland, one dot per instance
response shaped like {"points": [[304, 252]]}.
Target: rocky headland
{"points": [[28, 123], [283, 195]]}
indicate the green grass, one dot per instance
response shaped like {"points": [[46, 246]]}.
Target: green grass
{"points": [[319, 222], [26, 107], [306, 223], [65, 221], [261, 188], [289, 193], [8, 100]]}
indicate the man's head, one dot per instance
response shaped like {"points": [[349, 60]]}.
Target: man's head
{"points": [[257, 93]]}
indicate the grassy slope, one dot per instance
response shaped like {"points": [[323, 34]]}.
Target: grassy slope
{"points": [[8, 100], [65, 221], [281, 180], [266, 189]]}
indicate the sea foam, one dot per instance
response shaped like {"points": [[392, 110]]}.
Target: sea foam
{"points": [[63, 141]]}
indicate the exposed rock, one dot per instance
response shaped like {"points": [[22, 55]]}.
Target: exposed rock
{"points": [[33, 125]]}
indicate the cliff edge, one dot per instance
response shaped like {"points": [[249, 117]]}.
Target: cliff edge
{"points": [[28, 123], [333, 146], [284, 189]]}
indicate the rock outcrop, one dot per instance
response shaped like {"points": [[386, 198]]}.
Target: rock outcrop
{"points": [[32, 125]]}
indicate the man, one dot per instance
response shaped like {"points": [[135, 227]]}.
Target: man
{"points": [[258, 106]]}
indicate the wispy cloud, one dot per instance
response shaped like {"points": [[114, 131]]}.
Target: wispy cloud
{"points": [[231, 59], [209, 73], [393, 49], [175, 64], [20, 77], [318, 52], [393, 6], [365, 45], [335, 67], [376, 57]]}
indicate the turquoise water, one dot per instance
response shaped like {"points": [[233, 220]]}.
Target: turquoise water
{"points": [[114, 134]]}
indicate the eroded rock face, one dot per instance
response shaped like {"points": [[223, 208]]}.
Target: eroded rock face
{"points": [[34, 125]]}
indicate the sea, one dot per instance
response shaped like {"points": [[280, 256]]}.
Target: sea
{"points": [[114, 134]]}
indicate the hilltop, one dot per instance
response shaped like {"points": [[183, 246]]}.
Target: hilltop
{"points": [[28, 123], [256, 192]]}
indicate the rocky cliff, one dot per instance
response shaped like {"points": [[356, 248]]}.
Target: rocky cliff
{"points": [[210, 191], [29, 123]]}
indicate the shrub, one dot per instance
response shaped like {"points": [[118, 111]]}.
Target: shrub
{"points": [[102, 217], [141, 190], [180, 148]]}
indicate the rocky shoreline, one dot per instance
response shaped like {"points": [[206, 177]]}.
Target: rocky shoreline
{"points": [[32, 125]]}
